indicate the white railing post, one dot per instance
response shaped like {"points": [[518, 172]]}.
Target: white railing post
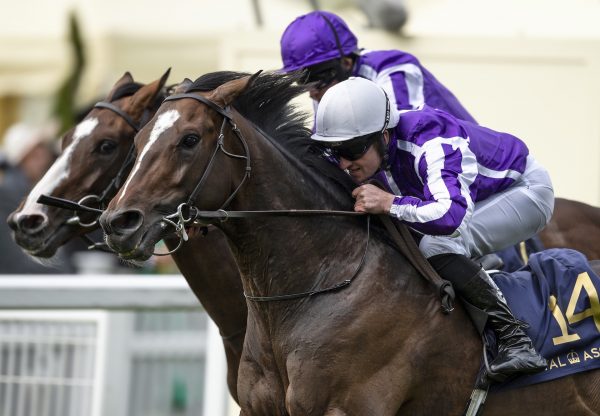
{"points": [[216, 394]]}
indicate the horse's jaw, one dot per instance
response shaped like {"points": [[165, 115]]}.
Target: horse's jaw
{"points": [[138, 245], [45, 243]]}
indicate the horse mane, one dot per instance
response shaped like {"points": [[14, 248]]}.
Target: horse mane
{"points": [[267, 104], [126, 90]]}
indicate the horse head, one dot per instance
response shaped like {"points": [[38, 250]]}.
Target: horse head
{"points": [[187, 148], [89, 169]]}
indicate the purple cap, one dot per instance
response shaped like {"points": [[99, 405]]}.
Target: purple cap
{"points": [[314, 38]]}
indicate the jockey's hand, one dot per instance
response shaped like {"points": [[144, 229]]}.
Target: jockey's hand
{"points": [[372, 199]]}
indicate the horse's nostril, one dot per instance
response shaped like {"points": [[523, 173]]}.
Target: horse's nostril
{"points": [[126, 222], [31, 224]]}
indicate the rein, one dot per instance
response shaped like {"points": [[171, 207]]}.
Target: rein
{"points": [[187, 215], [179, 220], [333, 288]]}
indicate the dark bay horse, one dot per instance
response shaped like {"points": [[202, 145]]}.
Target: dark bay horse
{"points": [[378, 345], [574, 225], [94, 153]]}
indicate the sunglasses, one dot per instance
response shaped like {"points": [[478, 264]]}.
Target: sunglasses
{"points": [[353, 149], [321, 75]]}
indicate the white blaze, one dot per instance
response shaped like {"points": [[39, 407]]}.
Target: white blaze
{"points": [[163, 123], [59, 169]]}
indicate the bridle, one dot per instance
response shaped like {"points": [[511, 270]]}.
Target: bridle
{"points": [[180, 216], [179, 220], [227, 119], [99, 200], [188, 215]]}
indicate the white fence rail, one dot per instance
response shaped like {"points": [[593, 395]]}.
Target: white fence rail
{"points": [[108, 292], [108, 345]]}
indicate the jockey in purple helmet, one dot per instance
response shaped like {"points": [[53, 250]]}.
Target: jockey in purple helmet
{"points": [[321, 43], [468, 189]]}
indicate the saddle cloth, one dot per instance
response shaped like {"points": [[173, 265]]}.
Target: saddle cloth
{"points": [[556, 293], [517, 256]]}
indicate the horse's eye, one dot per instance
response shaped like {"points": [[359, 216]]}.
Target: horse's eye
{"points": [[190, 140], [106, 147]]}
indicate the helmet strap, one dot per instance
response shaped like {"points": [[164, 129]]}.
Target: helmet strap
{"points": [[335, 34], [342, 73], [386, 120], [382, 149]]}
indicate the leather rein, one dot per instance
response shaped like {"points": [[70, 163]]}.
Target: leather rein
{"points": [[187, 215]]}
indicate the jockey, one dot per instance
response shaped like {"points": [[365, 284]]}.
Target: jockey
{"points": [[468, 189], [322, 44]]}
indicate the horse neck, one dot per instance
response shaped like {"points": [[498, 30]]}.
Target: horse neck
{"points": [[271, 250], [279, 180]]}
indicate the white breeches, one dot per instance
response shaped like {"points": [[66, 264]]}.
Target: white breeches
{"points": [[503, 219]]}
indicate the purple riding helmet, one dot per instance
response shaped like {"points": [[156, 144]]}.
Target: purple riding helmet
{"points": [[314, 38]]}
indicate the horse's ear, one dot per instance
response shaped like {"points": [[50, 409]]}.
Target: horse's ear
{"points": [[228, 92], [253, 78], [125, 79], [182, 86], [145, 96]]}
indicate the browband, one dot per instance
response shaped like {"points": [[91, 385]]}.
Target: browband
{"points": [[114, 108], [201, 99]]}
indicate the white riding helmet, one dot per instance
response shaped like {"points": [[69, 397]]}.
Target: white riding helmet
{"points": [[353, 108]]}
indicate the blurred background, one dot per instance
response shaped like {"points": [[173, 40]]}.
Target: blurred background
{"points": [[527, 67], [531, 68]]}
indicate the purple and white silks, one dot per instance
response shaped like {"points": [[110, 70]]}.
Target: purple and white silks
{"points": [[439, 167], [407, 83]]}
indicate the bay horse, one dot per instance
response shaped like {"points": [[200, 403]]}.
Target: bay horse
{"points": [[574, 225], [339, 323], [93, 165]]}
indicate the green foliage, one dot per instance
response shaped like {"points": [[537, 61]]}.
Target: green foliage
{"points": [[64, 102]]}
